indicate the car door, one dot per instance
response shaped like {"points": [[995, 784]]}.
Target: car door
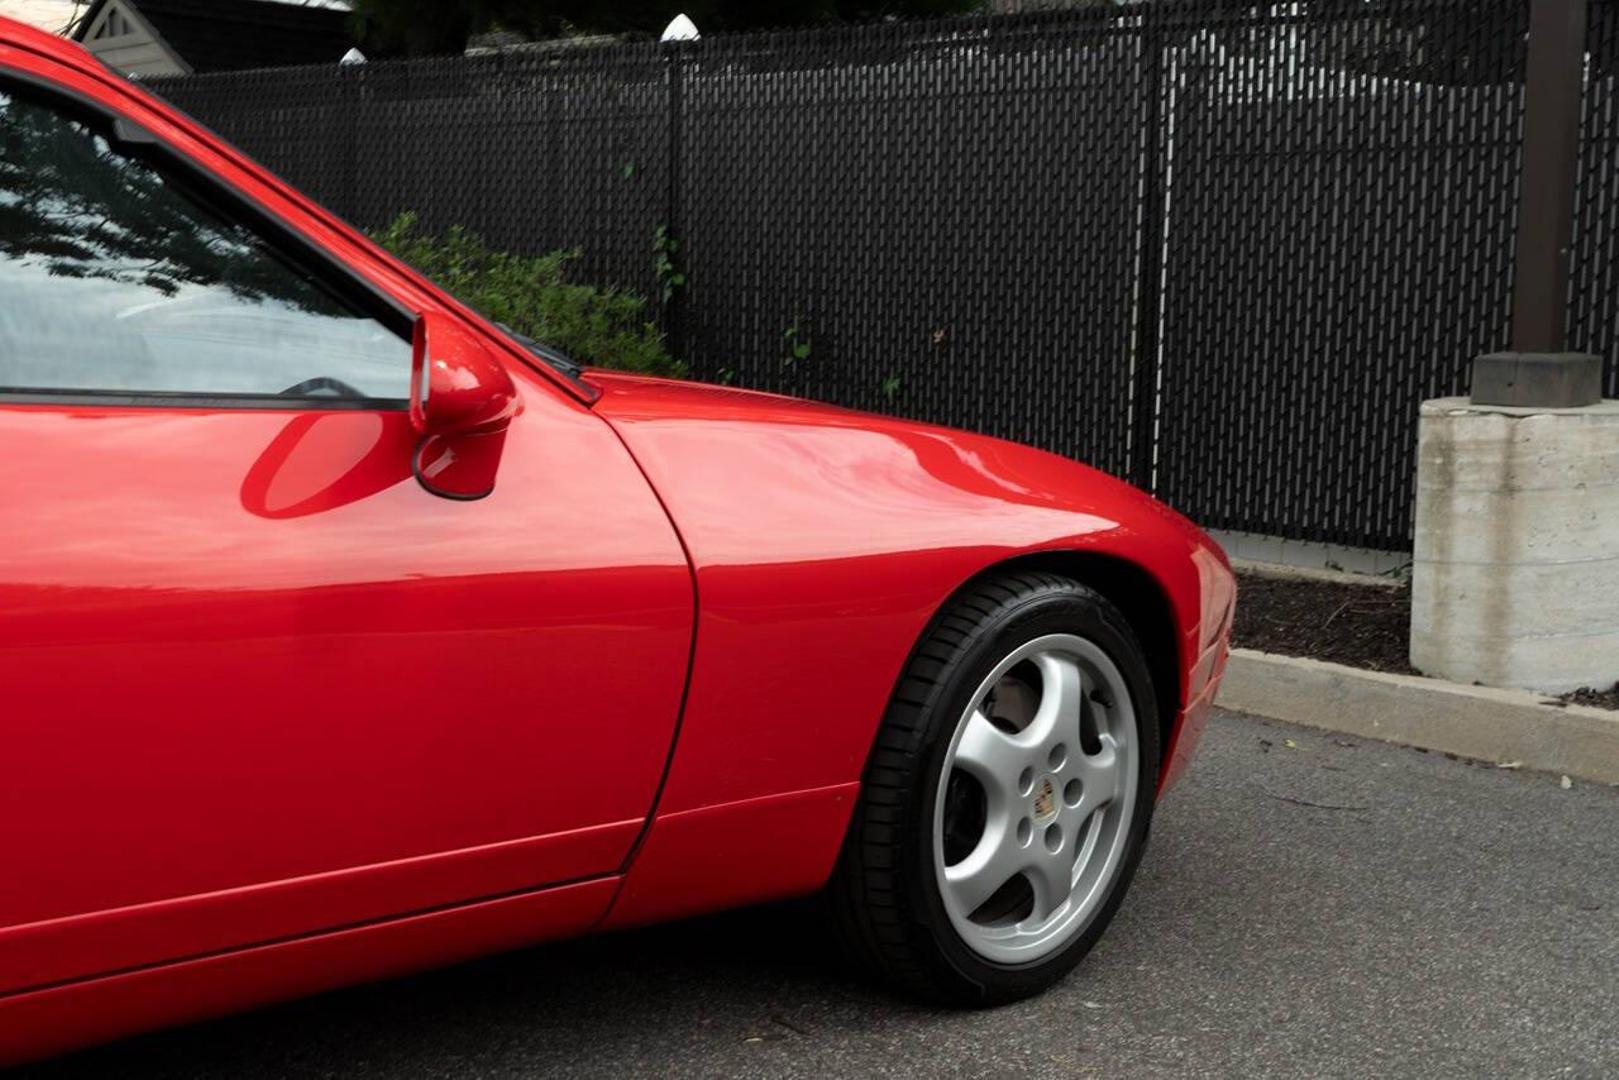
{"points": [[255, 680]]}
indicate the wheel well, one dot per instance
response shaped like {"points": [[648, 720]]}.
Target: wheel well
{"points": [[1138, 596]]}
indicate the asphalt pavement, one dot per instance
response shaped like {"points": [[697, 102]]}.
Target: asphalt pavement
{"points": [[1310, 905]]}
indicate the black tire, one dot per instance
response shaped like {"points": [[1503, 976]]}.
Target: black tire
{"points": [[884, 894]]}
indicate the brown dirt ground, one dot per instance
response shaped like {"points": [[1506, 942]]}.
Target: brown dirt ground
{"points": [[1365, 626]]}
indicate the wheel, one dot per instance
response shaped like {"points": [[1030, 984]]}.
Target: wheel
{"points": [[1008, 795]]}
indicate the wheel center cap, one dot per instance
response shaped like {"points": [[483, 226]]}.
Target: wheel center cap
{"points": [[1045, 800]]}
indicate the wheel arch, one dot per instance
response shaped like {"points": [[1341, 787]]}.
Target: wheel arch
{"points": [[1140, 598]]}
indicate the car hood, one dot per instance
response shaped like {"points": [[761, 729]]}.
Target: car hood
{"points": [[688, 432], [628, 395]]}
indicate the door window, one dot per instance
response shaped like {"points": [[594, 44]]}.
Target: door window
{"points": [[119, 278]]}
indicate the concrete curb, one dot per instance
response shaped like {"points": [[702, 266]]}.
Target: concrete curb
{"points": [[1478, 722], [1286, 572]]}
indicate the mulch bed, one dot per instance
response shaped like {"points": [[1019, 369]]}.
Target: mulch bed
{"points": [[1364, 626], [1602, 699]]}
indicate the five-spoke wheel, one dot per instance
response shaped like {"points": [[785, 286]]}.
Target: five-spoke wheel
{"points": [[1036, 799]]}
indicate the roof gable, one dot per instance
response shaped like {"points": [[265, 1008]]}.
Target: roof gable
{"points": [[228, 35], [117, 32]]}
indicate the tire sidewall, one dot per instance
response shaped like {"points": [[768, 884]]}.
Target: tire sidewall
{"points": [[1054, 611]]}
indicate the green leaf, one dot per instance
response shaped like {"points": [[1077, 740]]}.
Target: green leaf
{"points": [[532, 294]]}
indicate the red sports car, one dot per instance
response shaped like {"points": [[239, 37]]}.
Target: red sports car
{"points": [[343, 633]]}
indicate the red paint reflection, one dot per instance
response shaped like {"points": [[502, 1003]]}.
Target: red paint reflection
{"points": [[321, 461]]}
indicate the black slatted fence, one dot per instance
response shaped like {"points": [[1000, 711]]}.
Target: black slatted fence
{"points": [[1594, 310], [1222, 248], [1336, 248]]}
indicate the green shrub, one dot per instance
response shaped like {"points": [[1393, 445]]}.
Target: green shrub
{"points": [[531, 294]]}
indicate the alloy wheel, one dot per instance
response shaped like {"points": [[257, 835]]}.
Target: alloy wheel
{"points": [[1036, 798]]}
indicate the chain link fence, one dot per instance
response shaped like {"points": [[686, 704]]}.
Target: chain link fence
{"points": [[1221, 248]]}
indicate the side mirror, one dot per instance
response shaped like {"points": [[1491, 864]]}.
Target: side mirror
{"points": [[461, 403]]}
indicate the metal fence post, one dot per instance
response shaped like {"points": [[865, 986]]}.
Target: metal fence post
{"points": [[1539, 371], [1551, 153], [674, 54], [1149, 275]]}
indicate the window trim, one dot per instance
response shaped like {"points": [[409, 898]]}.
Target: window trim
{"points": [[186, 399], [215, 193]]}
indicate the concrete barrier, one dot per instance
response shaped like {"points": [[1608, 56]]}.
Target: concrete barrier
{"points": [[1515, 575]]}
